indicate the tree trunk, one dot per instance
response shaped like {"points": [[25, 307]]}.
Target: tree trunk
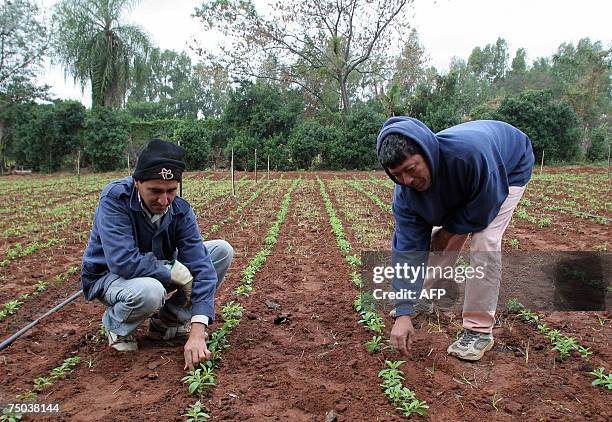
{"points": [[344, 94], [2, 147]]}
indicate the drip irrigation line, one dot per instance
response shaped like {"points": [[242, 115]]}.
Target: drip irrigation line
{"points": [[25, 329]]}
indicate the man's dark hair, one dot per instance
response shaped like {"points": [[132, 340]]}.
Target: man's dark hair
{"points": [[395, 148]]}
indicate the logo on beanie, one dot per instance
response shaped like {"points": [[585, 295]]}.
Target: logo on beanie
{"points": [[166, 174]]}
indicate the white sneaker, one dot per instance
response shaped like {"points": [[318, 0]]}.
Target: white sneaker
{"points": [[471, 345], [121, 343]]}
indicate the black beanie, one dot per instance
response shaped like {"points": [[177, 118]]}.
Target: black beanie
{"points": [[160, 160]]}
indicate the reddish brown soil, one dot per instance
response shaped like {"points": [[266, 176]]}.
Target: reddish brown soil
{"points": [[316, 361]]}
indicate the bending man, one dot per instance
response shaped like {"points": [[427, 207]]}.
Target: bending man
{"points": [[464, 180]]}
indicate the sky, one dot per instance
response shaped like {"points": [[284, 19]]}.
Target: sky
{"points": [[446, 28]]}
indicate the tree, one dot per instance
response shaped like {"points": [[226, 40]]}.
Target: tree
{"points": [[408, 73], [334, 39], [24, 40], [106, 134], [491, 62], [47, 133], [353, 147], [584, 73], [551, 124], [94, 46]]}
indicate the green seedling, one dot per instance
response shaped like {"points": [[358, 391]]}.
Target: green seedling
{"points": [[40, 287], [40, 383], [514, 243], [601, 247], [565, 345], [544, 222], [199, 379], [402, 397], [374, 345], [10, 416], [232, 310], [196, 413], [353, 260], [522, 214], [585, 352], [601, 378]]}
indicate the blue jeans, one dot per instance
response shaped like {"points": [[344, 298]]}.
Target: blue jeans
{"points": [[131, 302]]}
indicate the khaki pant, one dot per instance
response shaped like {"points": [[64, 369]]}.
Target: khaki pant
{"points": [[481, 293]]}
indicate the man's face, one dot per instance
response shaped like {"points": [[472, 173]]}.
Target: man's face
{"points": [[413, 172], [157, 194]]}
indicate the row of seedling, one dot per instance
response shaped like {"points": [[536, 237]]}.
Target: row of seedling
{"points": [[358, 210], [204, 376], [55, 374], [403, 398], [563, 344], [215, 227], [248, 273], [18, 250], [11, 307], [374, 198]]}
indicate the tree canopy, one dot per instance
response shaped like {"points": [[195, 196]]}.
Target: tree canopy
{"points": [[95, 46]]}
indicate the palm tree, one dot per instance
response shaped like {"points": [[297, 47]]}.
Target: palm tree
{"points": [[94, 46]]}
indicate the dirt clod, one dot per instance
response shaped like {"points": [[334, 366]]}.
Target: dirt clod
{"points": [[272, 304], [282, 319]]}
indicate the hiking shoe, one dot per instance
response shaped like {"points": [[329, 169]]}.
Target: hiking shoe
{"points": [[121, 343], [159, 329], [471, 345]]}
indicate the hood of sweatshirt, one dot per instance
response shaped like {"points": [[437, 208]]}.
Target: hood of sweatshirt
{"points": [[419, 133]]}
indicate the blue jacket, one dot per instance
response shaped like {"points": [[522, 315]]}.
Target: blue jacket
{"points": [[472, 166], [124, 243]]}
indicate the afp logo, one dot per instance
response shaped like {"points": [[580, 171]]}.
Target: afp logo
{"points": [[166, 174]]}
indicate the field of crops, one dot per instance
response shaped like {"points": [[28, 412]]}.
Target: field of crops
{"points": [[292, 340]]}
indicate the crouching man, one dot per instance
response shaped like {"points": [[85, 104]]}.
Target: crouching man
{"points": [[146, 259]]}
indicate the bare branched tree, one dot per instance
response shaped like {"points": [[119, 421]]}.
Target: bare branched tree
{"points": [[309, 42]]}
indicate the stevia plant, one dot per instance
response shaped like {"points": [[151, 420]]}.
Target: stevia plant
{"points": [[196, 413], [199, 379], [374, 345], [55, 374], [561, 343], [601, 378], [402, 397]]}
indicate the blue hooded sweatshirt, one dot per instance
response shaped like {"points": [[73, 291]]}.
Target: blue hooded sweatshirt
{"points": [[124, 243], [472, 166]]}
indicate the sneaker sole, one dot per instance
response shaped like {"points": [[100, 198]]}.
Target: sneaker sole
{"points": [[473, 358]]}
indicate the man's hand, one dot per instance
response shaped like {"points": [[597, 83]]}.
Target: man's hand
{"points": [[180, 275], [195, 348], [402, 332], [440, 240]]}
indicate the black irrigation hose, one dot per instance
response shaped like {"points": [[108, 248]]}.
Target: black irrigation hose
{"points": [[25, 329]]}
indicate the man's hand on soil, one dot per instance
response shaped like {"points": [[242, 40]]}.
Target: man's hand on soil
{"points": [[402, 333], [195, 348]]}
